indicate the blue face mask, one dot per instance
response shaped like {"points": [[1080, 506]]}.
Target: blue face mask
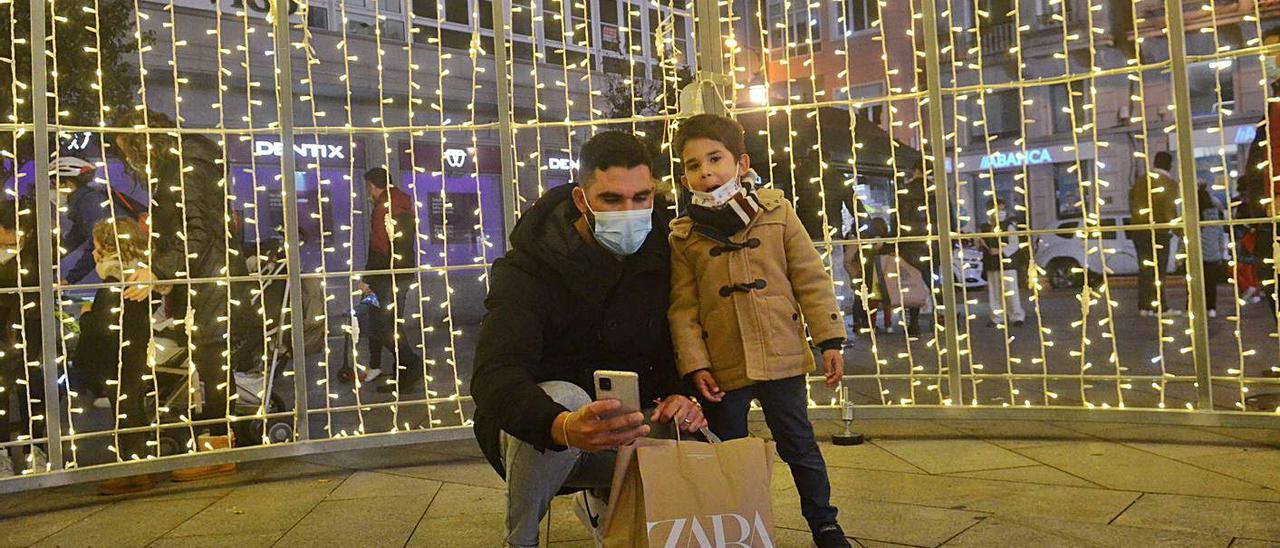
{"points": [[622, 232]]}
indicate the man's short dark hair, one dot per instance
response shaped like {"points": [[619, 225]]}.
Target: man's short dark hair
{"points": [[378, 177], [721, 129], [611, 149], [1163, 160]]}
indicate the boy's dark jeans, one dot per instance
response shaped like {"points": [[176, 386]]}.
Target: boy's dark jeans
{"points": [[786, 411]]}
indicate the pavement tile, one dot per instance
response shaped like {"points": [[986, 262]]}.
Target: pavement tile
{"points": [[945, 456], [1130, 432], [1175, 442], [565, 526], [1248, 519], [1016, 433], [1116, 466], [1038, 473], [999, 497], [246, 540], [366, 484], [381, 521], [105, 528], [26, 529], [459, 529], [785, 537], [1259, 467], [294, 469], [1254, 543], [1269, 436], [455, 469], [866, 456], [1050, 533], [468, 447], [385, 457], [885, 521], [261, 508], [456, 499], [879, 429], [868, 543]]}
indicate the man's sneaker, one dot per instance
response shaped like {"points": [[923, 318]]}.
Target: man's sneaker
{"points": [[830, 536], [102, 402], [366, 374], [1213, 313], [590, 511]]}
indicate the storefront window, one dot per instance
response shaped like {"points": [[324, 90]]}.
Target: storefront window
{"points": [[1066, 184]]}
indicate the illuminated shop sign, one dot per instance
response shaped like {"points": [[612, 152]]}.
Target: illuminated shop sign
{"points": [[1001, 160], [315, 151], [561, 164]]}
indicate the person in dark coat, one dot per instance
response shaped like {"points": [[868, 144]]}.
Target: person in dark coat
{"points": [[1259, 184], [916, 213], [391, 245], [189, 240], [21, 348], [86, 205], [584, 288]]}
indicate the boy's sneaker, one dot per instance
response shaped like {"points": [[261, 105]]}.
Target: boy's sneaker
{"points": [[830, 536], [590, 511]]}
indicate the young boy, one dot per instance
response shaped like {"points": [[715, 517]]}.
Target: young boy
{"points": [[745, 281]]}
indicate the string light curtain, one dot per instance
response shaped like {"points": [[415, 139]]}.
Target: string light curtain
{"points": [[1049, 112]]}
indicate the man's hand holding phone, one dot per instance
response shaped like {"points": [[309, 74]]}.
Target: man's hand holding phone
{"points": [[598, 426]]}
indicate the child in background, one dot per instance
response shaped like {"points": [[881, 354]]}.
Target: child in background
{"points": [[745, 281], [115, 336]]}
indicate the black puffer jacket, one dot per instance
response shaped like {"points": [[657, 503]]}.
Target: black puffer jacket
{"points": [[560, 309], [196, 208]]}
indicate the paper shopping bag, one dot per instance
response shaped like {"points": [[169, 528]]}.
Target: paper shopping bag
{"points": [[669, 494]]}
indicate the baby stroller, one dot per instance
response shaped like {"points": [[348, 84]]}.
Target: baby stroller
{"points": [[256, 375]]}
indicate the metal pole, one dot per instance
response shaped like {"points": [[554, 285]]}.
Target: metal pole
{"points": [[1190, 203], [506, 137], [288, 166], [711, 76], [44, 221], [937, 145]]}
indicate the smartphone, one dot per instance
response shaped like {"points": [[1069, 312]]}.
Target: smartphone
{"points": [[623, 386]]}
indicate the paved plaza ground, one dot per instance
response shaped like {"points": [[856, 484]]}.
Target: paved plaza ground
{"points": [[917, 483]]}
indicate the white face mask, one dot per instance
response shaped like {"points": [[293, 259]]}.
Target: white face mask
{"points": [[718, 197], [621, 232]]}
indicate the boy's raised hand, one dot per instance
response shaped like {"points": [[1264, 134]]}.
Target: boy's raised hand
{"points": [[706, 385], [833, 366]]}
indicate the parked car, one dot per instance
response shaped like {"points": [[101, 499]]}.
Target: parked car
{"points": [[1062, 255]]}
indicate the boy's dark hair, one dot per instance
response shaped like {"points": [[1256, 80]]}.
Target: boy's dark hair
{"points": [[611, 149], [721, 129], [1163, 160], [378, 177]]}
